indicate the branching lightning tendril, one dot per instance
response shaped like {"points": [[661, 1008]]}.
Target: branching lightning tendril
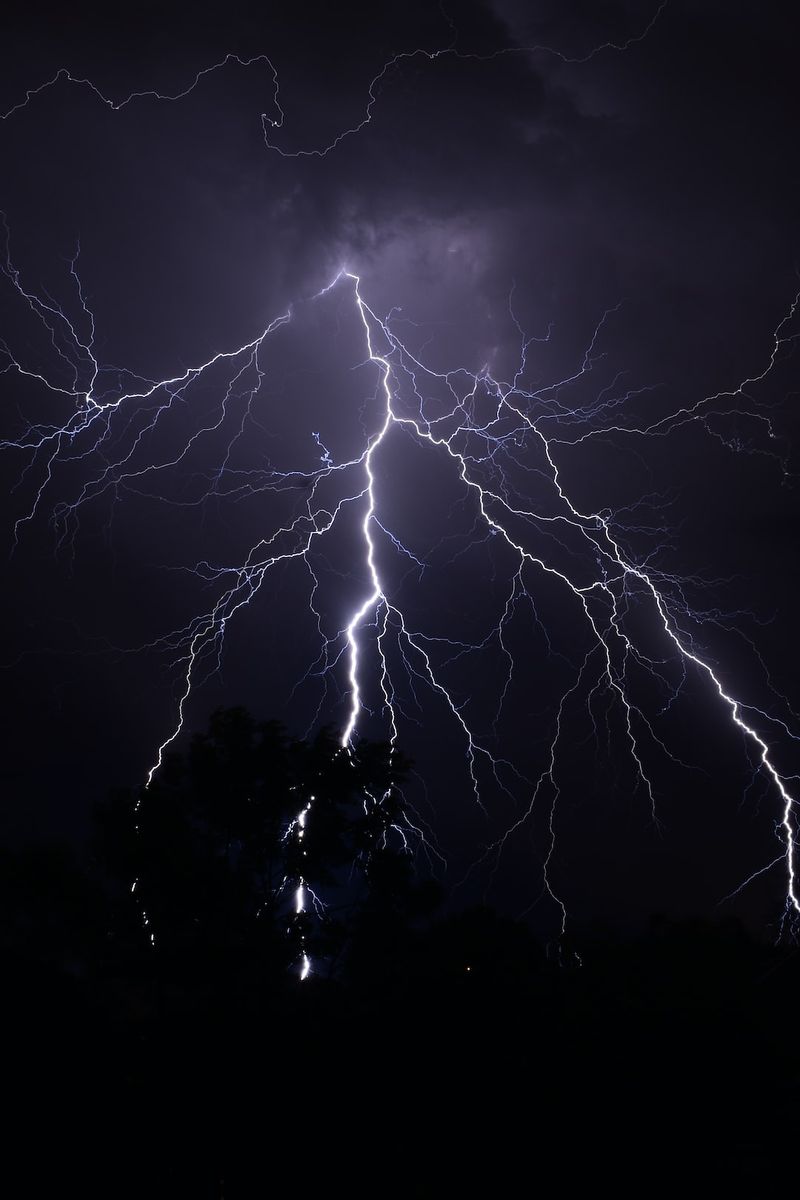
{"points": [[113, 417], [453, 437]]}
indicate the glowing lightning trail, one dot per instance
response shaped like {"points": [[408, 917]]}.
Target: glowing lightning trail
{"points": [[276, 122], [109, 426]]}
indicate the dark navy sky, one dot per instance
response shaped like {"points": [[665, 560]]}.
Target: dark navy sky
{"points": [[659, 182]]}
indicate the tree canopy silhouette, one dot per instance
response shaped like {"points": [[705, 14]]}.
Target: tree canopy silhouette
{"points": [[255, 841], [203, 1052]]}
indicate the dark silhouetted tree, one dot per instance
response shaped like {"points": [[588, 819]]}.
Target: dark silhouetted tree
{"points": [[248, 821]]}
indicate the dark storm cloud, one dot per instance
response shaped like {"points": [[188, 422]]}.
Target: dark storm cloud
{"points": [[591, 184], [585, 184]]}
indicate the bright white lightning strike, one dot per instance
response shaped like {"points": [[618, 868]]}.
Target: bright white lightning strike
{"points": [[520, 417], [297, 829]]}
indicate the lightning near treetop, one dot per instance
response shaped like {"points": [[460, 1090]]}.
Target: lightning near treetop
{"points": [[480, 437]]}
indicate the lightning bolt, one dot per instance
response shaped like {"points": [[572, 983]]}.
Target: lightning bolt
{"points": [[485, 434], [272, 123], [477, 436]]}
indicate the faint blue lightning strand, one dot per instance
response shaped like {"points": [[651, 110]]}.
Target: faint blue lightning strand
{"points": [[276, 122], [64, 75]]}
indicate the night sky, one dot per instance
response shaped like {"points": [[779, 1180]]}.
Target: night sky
{"points": [[622, 202]]}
